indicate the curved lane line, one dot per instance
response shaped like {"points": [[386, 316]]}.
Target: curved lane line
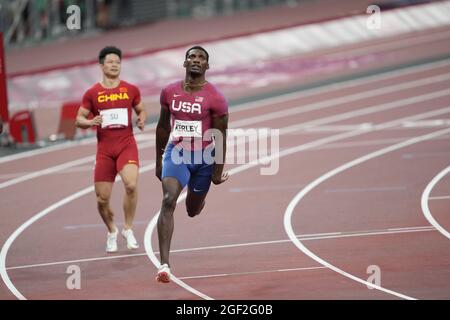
{"points": [[424, 202], [290, 209]]}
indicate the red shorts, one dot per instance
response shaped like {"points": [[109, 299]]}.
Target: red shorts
{"points": [[112, 158]]}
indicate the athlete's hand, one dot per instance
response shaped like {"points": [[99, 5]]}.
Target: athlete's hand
{"points": [[140, 123], [96, 121], [218, 180]]}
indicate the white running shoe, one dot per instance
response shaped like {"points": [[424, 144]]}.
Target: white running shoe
{"points": [[131, 240], [111, 241], [163, 274]]}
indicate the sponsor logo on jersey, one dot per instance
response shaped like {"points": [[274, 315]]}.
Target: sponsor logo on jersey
{"points": [[112, 97]]}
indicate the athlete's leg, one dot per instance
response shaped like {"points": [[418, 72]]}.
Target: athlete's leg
{"points": [[195, 202], [103, 192], [127, 164], [104, 175], [198, 188], [175, 176], [129, 174], [171, 191]]}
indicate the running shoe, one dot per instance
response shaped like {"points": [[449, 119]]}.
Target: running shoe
{"points": [[163, 274], [131, 240], [111, 241]]}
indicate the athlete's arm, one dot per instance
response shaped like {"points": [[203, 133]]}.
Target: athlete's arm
{"points": [[220, 123], [83, 122], [162, 136], [142, 115]]}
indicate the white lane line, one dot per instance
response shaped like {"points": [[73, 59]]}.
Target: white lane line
{"points": [[366, 189], [334, 102], [425, 155], [439, 198], [290, 209], [265, 188], [25, 225], [50, 264], [149, 230], [297, 186], [411, 228], [303, 237], [80, 168], [29, 222], [424, 202], [306, 146], [32, 153], [344, 84], [351, 235], [348, 115], [345, 127], [151, 255], [63, 146], [98, 225], [58, 168], [364, 143], [427, 123], [47, 171], [258, 103], [248, 273], [13, 175], [398, 43], [366, 111], [307, 125]]}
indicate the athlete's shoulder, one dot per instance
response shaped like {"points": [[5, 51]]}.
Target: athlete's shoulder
{"points": [[94, 88], [90, 95], [215, 91], [172, 86], [212, 88], [129, 85], [167, 91]]}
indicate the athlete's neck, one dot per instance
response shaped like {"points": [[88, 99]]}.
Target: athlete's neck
{"points": [[110, 82], [191, 84]]}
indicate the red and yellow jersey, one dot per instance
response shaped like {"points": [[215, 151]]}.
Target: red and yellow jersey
{"points": [[115, 105]]}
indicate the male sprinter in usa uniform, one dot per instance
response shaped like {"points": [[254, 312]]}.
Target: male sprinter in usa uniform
{"points": [[189, 109], [111, 102]]}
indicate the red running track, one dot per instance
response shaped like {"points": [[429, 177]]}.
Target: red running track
{"points": [[314, 230]]}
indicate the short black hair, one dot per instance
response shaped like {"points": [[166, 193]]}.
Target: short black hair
{"points": [[199, 48], [108, 50]]}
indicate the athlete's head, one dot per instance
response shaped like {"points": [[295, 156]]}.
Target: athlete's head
{"points": [[196, 61], [110, 59]]}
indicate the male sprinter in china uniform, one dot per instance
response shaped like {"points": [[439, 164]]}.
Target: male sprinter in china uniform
{"points": [[111, 102], [189, 109]]}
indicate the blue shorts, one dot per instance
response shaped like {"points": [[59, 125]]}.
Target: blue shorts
{"points": [[192, 168]]}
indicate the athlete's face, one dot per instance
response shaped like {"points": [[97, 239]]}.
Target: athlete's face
{"points": [[111, 65], [196, 62]]}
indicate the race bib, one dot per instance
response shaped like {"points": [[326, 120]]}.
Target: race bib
{"points": [[183, 128], [114, 118]]}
